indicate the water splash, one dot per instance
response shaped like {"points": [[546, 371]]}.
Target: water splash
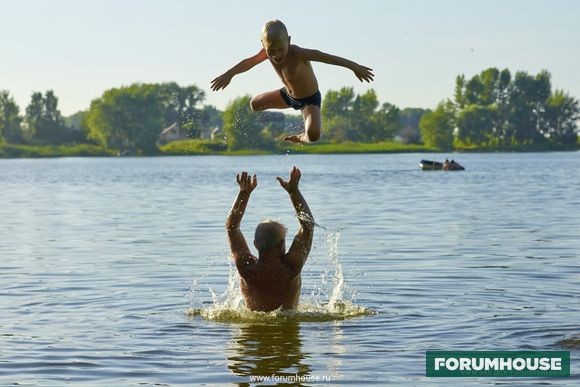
{"points": [[338, 279], [305, 217], [331, 299]]}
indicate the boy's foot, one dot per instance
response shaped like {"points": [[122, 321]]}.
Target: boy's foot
{"points": [[301, 138]]}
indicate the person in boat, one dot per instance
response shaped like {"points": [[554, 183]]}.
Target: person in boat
{"points": [[446, 165], [273, 279]]}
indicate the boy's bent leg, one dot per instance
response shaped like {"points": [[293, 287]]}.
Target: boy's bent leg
{"points": [[268, 100], [312, 122], [312, 126]]}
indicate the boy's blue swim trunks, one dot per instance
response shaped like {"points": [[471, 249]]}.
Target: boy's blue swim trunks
{"points": [[300, 103]]}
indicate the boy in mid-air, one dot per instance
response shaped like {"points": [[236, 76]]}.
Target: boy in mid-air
{"points": [[272, 280], [292, 63]]}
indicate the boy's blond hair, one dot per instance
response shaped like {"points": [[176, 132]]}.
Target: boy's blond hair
{"points": [[274, 30], [268, 234]]}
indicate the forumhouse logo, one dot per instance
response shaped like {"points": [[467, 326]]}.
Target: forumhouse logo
{"points": [[497, 363]]}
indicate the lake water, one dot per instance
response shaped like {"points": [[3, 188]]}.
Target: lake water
{"points": [[115, 271]]}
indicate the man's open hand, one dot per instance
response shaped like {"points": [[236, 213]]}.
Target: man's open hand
{"points": [[246, 183], [292, 184]]}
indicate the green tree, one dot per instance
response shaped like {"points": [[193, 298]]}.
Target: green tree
{"points": [[473, 93], [490, 81], [437, 126], [562, 115], [386, 123], [362, 112], [528, 103], [482, 105], [459, 95], [475, 124], [338, 103], [240, 125], [10, 120], [337, 122], [350, 117], [128, 119], [44, 122], [503, 108], [371, 122], [493, 108]]}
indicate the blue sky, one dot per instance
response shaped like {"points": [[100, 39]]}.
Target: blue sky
{"points": [[80, 48]]}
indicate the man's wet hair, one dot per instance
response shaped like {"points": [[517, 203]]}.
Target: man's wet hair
{"points": [[268, 234]]}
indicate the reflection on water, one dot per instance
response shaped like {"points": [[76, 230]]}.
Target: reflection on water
{"points": [[265, 349], [336, 347]]}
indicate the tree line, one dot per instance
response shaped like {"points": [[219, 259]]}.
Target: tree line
{"points": [[496, 109], [490, 109], [127, 119]]}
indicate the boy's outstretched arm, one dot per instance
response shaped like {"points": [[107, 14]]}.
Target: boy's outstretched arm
{"points": [[237, 242], [223, 80], [298, 252], [362, 73]]}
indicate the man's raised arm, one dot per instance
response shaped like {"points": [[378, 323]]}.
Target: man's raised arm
{"points": [[298, 252], [237, 242]]}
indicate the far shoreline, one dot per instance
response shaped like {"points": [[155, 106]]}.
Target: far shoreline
{"points": [[209, 148]]}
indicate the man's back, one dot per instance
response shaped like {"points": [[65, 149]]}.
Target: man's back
{"points": [[269, 285]]}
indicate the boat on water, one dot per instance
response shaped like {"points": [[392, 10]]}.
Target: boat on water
{"points": [[429, 165]]}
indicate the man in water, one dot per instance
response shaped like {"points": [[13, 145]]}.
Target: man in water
{"points": [[272, 280]]}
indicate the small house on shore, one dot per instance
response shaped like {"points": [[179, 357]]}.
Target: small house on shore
{"points": [[173, 132]]}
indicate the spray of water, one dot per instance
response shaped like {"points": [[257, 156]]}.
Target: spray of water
{"points": [[338, 279], [331, 298]]}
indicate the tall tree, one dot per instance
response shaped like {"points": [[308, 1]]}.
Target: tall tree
{"points": [[362, 116], [459, 95], [562, 115], [43, 119], [10, 120], [528, 99]]}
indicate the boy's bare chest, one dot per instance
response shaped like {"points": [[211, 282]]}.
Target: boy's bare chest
{"points": [[292, 71]]}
